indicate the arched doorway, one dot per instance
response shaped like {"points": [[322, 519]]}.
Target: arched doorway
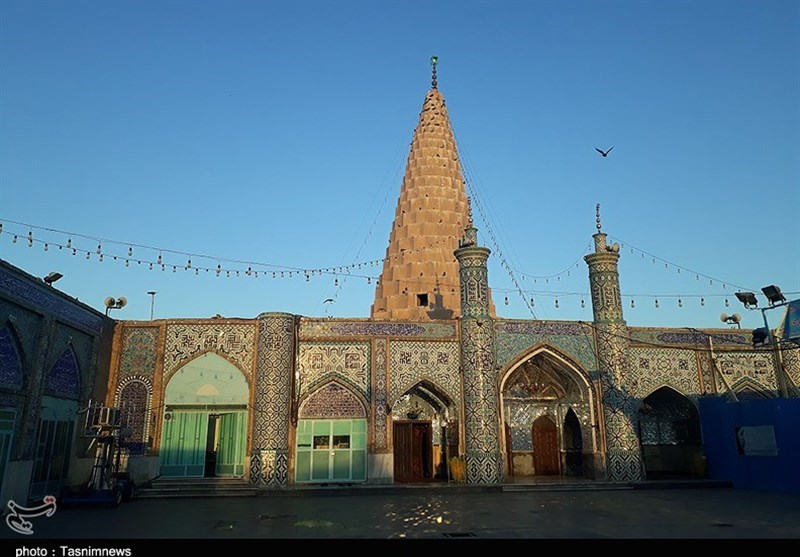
{"points": [[424, 437], [205, 420], [548, 409], [331, 441], [573, 445], [670, 435]]}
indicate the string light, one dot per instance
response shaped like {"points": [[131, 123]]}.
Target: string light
{"points": [[311, 272]]}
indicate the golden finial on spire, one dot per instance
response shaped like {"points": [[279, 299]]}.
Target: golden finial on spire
{"points": [[434, 61]]}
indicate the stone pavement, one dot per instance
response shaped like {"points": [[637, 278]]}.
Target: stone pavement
{"points": [[425, 512]]}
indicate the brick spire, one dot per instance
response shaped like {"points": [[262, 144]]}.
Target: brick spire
{"points": [[420, 277]]}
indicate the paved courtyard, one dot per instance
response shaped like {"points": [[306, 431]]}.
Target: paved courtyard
{"points": [[698, 513]]}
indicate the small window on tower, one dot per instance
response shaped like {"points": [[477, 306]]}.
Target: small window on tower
{"points": [[422, 299]]}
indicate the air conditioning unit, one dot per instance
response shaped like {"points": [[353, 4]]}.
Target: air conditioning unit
{"points": [[103, 417]]}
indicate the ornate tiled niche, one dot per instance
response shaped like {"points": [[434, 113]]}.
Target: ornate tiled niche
{"points": [[64, 377], [412, 362], [133, 396], [319, 362], [236, 341], [332, 401]]}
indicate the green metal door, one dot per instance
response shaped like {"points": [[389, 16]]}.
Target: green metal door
{"points": [[232, 440], [331, 450], [183, 444]]}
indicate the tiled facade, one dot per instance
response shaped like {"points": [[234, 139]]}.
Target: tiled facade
{"points": [[490, 397], [434, 350]]}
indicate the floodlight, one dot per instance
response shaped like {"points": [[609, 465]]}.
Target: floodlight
{"points": [[52, 277], [747, 298], [773, 294]]}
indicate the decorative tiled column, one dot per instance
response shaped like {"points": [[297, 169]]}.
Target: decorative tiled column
{"points": [[623, 455], [272, 399], [790, 359], [484, 463]]}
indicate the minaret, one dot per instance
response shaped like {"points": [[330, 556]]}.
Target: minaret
{"points": [[419, 280], [484, 463], [623, 455]]}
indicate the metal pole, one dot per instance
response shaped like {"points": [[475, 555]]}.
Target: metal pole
{"points": [[152, 294]]}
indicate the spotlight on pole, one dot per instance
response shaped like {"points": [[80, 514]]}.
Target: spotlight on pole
{"points": [[748, 299], [773, 294]]}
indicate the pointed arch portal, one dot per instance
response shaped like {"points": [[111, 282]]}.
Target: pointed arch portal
{"points": [[670, 435], [548, 409], [424, 434], [205, 419], [331, 441]]}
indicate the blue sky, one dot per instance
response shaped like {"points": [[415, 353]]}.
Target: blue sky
{"points": [[274, 135]]}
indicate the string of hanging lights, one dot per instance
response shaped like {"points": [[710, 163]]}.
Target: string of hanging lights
{"points": [[129, 254]]}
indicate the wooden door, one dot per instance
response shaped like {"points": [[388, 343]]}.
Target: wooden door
{"points": [[545, 447], [413, 458]]}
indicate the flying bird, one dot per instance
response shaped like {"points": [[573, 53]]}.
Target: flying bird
{"points": [[604, 153], [328, 301]]}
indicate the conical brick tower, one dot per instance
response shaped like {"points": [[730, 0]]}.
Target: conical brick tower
{"points": [[420, 277]]}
